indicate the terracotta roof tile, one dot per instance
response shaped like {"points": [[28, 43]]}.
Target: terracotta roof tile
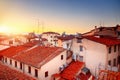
{"points": [[56, 75], [14, 50], [7, 73], [70, 72], [108, 75], [105, 41], [39, 55]]}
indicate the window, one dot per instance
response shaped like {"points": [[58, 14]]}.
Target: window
{"points": [[36, 73], [20, 65], [61, 57], [114, 62], [10, 62], [109, 62], [115, 48], [81, 48], [6, 60], [29, 69], [46, 74], [109, 49], [15, 63], [67, 45]]}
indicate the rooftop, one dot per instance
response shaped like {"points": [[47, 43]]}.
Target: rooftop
{"points": [[108, 75], [105, 41], [38, 56], [14, 50], [70, 72], [7, 73], [50, 33], [66, 37]]}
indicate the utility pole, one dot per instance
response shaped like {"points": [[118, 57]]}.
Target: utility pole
{"points": [[42, 27], [38, 26]]}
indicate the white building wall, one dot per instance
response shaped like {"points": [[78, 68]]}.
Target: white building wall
{"points": [[96, 55], [52, 66], [51, 38], [113, 55], [76, 49]]}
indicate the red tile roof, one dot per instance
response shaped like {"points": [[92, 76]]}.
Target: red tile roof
{"points": [[65, 38], [70, 72], [105, 41], [56, 75], [83, 76], [39, 55], [12, 51], [7, 73], [50, 33], [31, 43], [108, 75]]}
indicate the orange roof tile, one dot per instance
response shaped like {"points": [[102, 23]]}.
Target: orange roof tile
{"points": [[56, 75], [111, 75], [14, 50], [7, 73], [70, 72], [39, 55], [105, 41]]}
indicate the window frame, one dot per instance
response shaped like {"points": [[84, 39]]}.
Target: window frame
{"points": [[21, 67], [10, 62], [114, 62], [62, 57], [110, 50], [109, 62], [36, 73], [29, 69], [46, 74], [115, 48], [81, 48], [15, 63]]}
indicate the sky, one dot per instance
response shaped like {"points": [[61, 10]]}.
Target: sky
{"points": [[70, 16]]}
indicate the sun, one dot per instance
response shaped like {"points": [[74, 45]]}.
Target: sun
{"points": [[5, 29]]}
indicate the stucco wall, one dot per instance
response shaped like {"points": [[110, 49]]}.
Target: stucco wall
{"points": [[96, 55], [52, 66]]}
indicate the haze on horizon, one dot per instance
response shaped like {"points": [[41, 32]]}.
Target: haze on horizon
{"points": [[71, 16]]}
